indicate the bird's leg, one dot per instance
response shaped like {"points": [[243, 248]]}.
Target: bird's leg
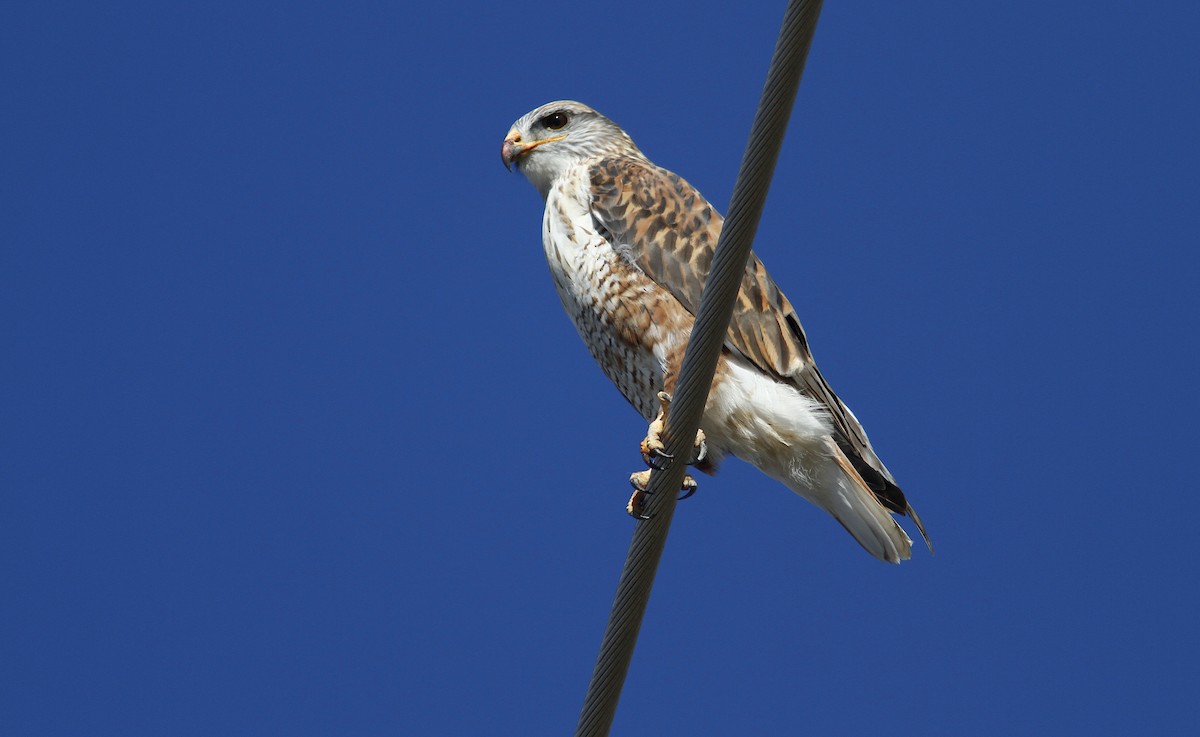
{"points": [[655, 453], [640, 482], [656, 456]]}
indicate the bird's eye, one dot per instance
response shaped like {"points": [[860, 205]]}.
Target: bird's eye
{"points": [[554, 121]]}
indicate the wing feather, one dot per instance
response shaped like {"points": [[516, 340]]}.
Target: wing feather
{"points": [[661, 224]]}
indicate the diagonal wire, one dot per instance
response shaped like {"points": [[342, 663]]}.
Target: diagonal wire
{"points": [[699, 363]]}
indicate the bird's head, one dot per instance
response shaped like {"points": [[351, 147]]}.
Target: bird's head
{"points": [[558, 135]]}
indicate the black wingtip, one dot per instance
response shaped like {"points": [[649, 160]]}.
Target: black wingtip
{"points": [[912, 514]]}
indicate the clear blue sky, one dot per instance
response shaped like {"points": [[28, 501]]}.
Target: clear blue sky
{"points": [[297, 440]]}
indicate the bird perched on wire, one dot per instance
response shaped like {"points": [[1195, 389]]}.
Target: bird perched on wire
{"points": [[629, 246]]}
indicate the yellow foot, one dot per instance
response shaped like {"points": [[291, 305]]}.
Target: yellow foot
{"points": [[655, 453], [640, 481]]}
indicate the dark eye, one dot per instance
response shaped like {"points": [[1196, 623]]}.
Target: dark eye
{"points": [[554, 121]]}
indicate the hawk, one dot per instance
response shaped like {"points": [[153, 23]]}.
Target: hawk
{"points": [[629, 246]]}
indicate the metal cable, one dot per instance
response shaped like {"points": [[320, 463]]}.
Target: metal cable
{"points": [[699, 364]]}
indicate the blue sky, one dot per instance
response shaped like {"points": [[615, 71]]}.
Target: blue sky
{"points": [[297, 439]]}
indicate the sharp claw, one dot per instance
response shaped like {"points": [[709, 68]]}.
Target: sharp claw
{"points": [[652, 451], [689, 487], [700, 447], [639, 481], [634, 507]]}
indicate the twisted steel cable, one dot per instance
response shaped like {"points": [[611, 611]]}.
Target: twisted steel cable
{"points": [[699, 364]]}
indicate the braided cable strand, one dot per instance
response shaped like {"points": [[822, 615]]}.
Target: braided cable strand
{"points": [[699, 364]]}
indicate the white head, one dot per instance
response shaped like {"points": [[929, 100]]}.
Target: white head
{"points": [[559, 135]]}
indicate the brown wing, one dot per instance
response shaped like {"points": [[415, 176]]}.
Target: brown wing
{"points": [[664, 226]]}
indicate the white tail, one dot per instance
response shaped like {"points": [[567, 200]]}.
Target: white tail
{"points": [[788, 437], [829, 481], [843, 493]]}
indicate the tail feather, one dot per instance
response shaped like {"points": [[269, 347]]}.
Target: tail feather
{"points": [[787, 435], [883, 486], [851, 502]]}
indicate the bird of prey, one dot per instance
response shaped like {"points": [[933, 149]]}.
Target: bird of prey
{"points": [[629, 246]]}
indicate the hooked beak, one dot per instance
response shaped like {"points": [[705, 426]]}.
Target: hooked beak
{"points": [[514, 147]]}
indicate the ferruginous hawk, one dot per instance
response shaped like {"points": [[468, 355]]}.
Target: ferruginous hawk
{"points": [[629, 245]]}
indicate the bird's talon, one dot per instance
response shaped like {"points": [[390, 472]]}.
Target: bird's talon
{"points": [[634, 507], [655, 454], [699, 448], [640, 481], [659, 461], [689, 487], [652, 447]]}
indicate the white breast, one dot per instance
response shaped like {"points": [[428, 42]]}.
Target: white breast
{"points": [[601, 293]]}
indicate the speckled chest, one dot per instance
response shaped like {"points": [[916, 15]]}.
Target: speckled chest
{"points": [[618, 311]]}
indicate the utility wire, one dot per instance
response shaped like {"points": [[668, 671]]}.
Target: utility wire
{"points": [[699, 364]]}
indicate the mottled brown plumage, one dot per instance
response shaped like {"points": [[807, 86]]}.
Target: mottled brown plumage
{"points": [[629, 246], [676, 233]]}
